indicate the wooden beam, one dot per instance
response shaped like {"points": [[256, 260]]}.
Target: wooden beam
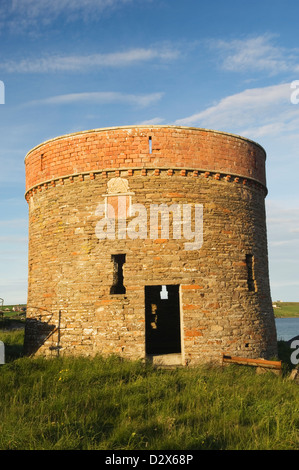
{"points": [[251, 362]]}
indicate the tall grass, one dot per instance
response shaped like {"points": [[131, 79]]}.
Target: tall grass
{"points": [[108, 404]]}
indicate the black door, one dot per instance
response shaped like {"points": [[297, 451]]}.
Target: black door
{"points": [[162, 320]]}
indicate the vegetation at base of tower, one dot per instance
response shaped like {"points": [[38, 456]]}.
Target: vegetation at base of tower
{"points": [[114, 404]]}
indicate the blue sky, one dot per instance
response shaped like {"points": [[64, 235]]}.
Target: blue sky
{"points": [[72, 65]]}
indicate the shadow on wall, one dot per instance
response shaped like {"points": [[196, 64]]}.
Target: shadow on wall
{"points": [[38, 331]]}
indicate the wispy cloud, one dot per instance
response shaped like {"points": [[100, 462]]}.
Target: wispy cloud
{"points": [[34, 8], [253, 54], [13, 223], [283, 227], [12, 239], [19, 15], [256, 111], [75, 63], [153, 121], [283, 243], [99, 97]]}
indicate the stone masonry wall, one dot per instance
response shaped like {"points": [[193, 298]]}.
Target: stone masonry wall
{"points": [[70, 308]]}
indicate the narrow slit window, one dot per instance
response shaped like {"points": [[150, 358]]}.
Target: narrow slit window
{"points": [[250, 273], [42, 162], [118, 276], [150, 148]]}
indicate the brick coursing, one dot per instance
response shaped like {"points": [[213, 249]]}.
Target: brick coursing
{"points": [[70, 309], [129, 148]]}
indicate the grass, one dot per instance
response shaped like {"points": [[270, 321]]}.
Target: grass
{"points": [[113, 404], [13, 340], [286, 309]]}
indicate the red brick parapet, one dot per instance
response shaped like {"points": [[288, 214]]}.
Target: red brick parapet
{"points": [[172, 147]]}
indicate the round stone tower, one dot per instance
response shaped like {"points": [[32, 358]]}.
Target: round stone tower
{"points": [[148, 242]]}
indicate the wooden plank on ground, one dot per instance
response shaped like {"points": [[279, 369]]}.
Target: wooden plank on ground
{"points": [[226, 358]]}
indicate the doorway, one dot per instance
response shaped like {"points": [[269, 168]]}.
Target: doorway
{"points": [[162, 320]]}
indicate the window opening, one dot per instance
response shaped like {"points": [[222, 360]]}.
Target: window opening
{"points": [[162, 320], [42, 162], [163, 293], [118, 277], [250, 273], [150, 145]]}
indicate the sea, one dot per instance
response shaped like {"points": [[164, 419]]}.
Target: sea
{"points": [[287, 328]]}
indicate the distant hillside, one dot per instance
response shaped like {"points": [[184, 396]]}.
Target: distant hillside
{"points": [[286, 309]]}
